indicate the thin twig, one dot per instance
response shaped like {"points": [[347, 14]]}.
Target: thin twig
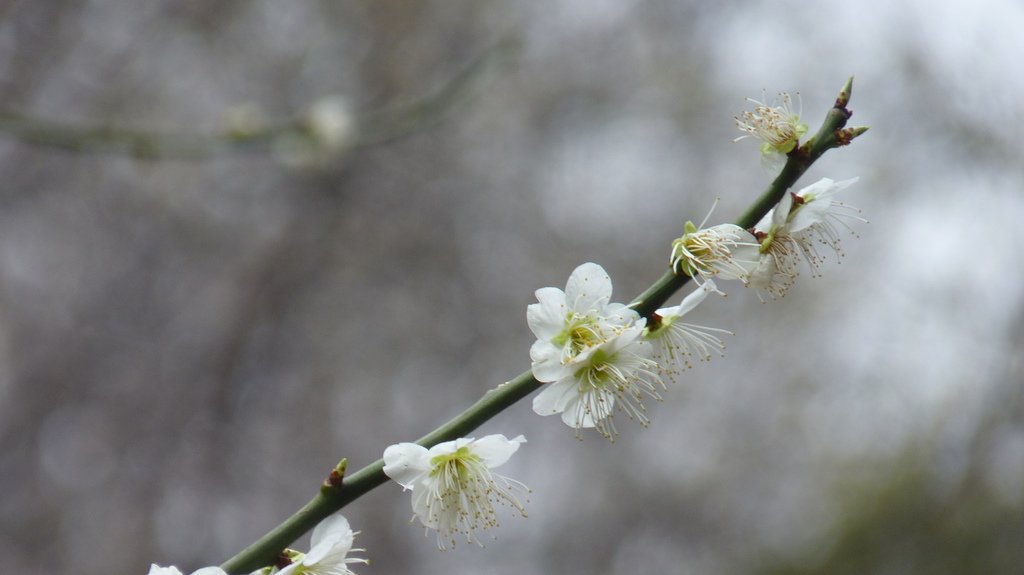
{"points": [[375, 127]]}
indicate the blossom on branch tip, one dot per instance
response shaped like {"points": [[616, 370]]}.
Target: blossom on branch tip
{"points": [[675, 342], [330, 545], [777, 126], [453, 487]]}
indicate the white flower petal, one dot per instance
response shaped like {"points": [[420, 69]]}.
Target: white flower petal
{"points": [[447, 448], [765, 223], [572, 417], [547, 361], [808, 215], [819, 203], [773, 162], [601, 406], [691, 301], [668, 312], [421, 502], [728, 230], [621, 315], [550, 371], [745, 257], [543, 350], [589, 288], [547, 317], [781, 212], [332, 536], [155, 569], [495, 450], [406, 463], [330, 544], [624, 338], [555, 397], [825, 187]]}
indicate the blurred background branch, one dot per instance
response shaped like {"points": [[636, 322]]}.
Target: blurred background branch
{"points": [[246, 131]]}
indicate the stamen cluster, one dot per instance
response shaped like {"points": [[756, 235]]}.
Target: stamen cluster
{"points": [[778, 126]]}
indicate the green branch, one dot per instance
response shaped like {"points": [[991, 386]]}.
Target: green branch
{"points": [[333, 496]]}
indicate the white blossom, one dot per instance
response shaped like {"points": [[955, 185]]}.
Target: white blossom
{"points": [[330, 545], [567, 323], [778, 126], [718, 251], [590, 353], [817, 215], [617, 372], [787, 234], [780, 254], [453, 487], [675, 341]]}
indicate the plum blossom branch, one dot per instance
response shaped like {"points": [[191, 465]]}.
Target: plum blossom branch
{"points": [[833, 133]]}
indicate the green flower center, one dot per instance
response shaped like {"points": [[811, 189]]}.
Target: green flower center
{"points": [[580, 333], [690, 252], [456, 463], [597, 373]]}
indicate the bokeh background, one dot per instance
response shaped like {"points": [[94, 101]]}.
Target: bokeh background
{"points": [[188, 345]]}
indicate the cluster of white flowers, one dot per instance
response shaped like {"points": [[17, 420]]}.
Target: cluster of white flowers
{"points": [[597, 357], [767, 257]]}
